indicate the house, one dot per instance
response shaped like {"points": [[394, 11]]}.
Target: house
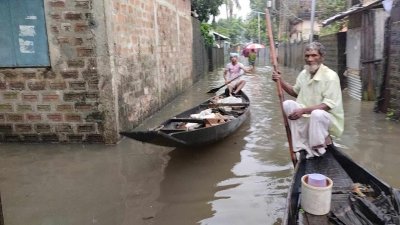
{"points": [[81, 71], [365, 47]]}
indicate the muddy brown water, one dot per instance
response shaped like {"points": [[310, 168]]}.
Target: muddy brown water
{"points": [[241, 180]]}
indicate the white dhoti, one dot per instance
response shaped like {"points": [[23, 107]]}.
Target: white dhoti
{"points": [[310, 131]]}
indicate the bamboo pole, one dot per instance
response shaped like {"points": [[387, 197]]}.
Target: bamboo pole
{"points": [[279, 85]]}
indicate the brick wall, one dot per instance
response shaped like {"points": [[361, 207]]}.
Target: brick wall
{"points": [[55, 104], [152, 53], [393, 86], [113, 63]]}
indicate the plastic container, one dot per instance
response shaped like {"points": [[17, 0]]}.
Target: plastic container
{"points": [[317, 180], [316, 200]]}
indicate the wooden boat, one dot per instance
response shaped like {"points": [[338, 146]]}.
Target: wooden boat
{"points": [[358, 197], [173, 133]]}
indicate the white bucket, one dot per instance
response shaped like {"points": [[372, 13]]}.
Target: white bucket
{"points": [[316, 200]]}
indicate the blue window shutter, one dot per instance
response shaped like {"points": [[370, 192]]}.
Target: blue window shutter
{"points": [[7, 52], [29, 37]]}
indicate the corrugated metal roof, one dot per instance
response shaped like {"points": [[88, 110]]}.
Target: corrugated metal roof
{"points": [[354, 9]]}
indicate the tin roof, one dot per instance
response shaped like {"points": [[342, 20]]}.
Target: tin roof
{"points": [[354, 9]]}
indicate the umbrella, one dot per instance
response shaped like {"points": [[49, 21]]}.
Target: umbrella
{"points": [[254, 46]]}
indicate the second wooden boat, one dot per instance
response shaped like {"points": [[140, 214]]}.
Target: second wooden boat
{"points": [[358, 197], [175, 133]]}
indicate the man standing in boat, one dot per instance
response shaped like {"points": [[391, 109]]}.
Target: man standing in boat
{"points": [[233, 70], [317, 112]]}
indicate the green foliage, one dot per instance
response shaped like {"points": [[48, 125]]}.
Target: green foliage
{"points": [[229, 8], [205, 29], [332, 28], [233, 28], [328, 8], [206, 8]]}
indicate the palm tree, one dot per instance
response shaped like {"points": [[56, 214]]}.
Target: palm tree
{"points": [[229, 7]]}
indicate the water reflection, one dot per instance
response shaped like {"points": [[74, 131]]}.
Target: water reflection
{"points": [[240, 180]]}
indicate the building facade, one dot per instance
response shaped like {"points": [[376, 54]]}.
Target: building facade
{"points": [[83, 70]]}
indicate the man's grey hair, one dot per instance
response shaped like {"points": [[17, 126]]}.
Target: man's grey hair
{"points": [[316, 46]]}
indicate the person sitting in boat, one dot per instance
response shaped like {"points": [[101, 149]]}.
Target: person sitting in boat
{"points": [[317, 112], [232, 71]]}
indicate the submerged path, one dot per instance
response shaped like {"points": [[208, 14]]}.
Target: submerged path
{"points": [[241, 180]]}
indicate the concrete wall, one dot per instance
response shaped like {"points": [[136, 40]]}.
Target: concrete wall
{"points": [[393, 84], [113, 63]]}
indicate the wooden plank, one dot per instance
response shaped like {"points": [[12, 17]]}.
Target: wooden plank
{"points": [[187, 120]]}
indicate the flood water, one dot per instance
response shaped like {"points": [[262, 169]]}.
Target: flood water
{"points": [[243, 179]]}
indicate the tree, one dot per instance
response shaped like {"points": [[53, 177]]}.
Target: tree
{"points": [[229, 7], [206, 8], [327, 9], [233, 28]]}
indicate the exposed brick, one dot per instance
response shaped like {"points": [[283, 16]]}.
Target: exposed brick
{"points": [[76, 63], [10, 95], [73, 118], [3, 86], [75, 137], [2, 118], [81, 27], [72, 16], [6, 108], [95, 117], [42, 128], [23, 128], [73, 74], [43, 108], [55, 117], [6, 128], [54, 29], [89, 17], [50, 138], [78, 41], [55, 16], [12, 138], [63, 40], [65, 128], [95, 138], [24, 108], [37, 86], [65, 108], [93, 85], [33, 117], [10, 74], [30, 97], [17, 85], [15, 117], [77, 85], [58, 85], [57, 3], [92, 64], [72, 97], [92, 96], [83, 4], [86, 128], [29, 75], [66, 27], [85, 52], [31, 138], [48, 74], [90, 75], [84, 107], [50, 97]]}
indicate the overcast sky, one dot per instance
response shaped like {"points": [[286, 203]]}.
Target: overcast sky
{"points": [[243, 12]]}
